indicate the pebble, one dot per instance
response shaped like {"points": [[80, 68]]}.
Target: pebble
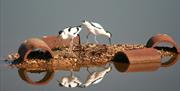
{"points": [[56, 56]]}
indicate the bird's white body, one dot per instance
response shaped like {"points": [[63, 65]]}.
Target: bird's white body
{"points": [[96, 29], [70, 82], [96, 77], [70, 32]]}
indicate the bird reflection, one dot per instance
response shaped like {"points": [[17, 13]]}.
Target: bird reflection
{"points": [[24, 76], [96, 77], [69, 81]]}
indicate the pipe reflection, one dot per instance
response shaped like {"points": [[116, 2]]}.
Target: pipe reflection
{"points": [[171, 61], [24, 76]]}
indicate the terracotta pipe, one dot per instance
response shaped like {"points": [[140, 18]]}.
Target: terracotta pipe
{"points": [[32, 44], [46, 43], [144, 67], [160, 38], [54, 42], [138, 60], [138, 56]]}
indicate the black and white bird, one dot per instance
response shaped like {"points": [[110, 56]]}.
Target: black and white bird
{"points": [[96, 29], [70, 33], [69, 81], [96, 77]]}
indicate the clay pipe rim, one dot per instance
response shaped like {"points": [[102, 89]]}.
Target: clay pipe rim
{"points": [[159, 38]]}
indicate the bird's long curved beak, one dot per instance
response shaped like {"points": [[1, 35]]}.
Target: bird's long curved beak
{"points": [[110, 41]]}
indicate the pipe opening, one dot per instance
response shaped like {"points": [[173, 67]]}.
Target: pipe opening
{"points": [[39, 54], [164, 44], [166, 47], [121, 57]]}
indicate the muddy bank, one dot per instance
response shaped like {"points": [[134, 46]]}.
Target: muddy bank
{"points": [[83, 56]]}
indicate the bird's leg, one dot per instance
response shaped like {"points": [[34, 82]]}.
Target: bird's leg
{"points": [[71, 74], [109, 41], [95, 39], [88, 70], [87, 41]]}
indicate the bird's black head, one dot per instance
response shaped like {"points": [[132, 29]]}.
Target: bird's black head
{"points": [[60, 85], [60, 32], [83, 20], [110, 36]]}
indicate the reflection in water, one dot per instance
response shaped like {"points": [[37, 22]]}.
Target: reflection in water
{"points": [[69, 81], [24, 76], [95, 77], [171, 61]]}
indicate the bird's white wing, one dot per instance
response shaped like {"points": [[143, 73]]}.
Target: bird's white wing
{"points": [[78, 31], [97, 80], [74, 31], [97, 25]]}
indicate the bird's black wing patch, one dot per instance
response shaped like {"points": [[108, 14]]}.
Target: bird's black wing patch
{"points": [[77, 83], [69, 29], [94, 25], [77, 28]]}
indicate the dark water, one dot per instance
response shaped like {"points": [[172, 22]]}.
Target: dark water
{"points": [[130, 21]]}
